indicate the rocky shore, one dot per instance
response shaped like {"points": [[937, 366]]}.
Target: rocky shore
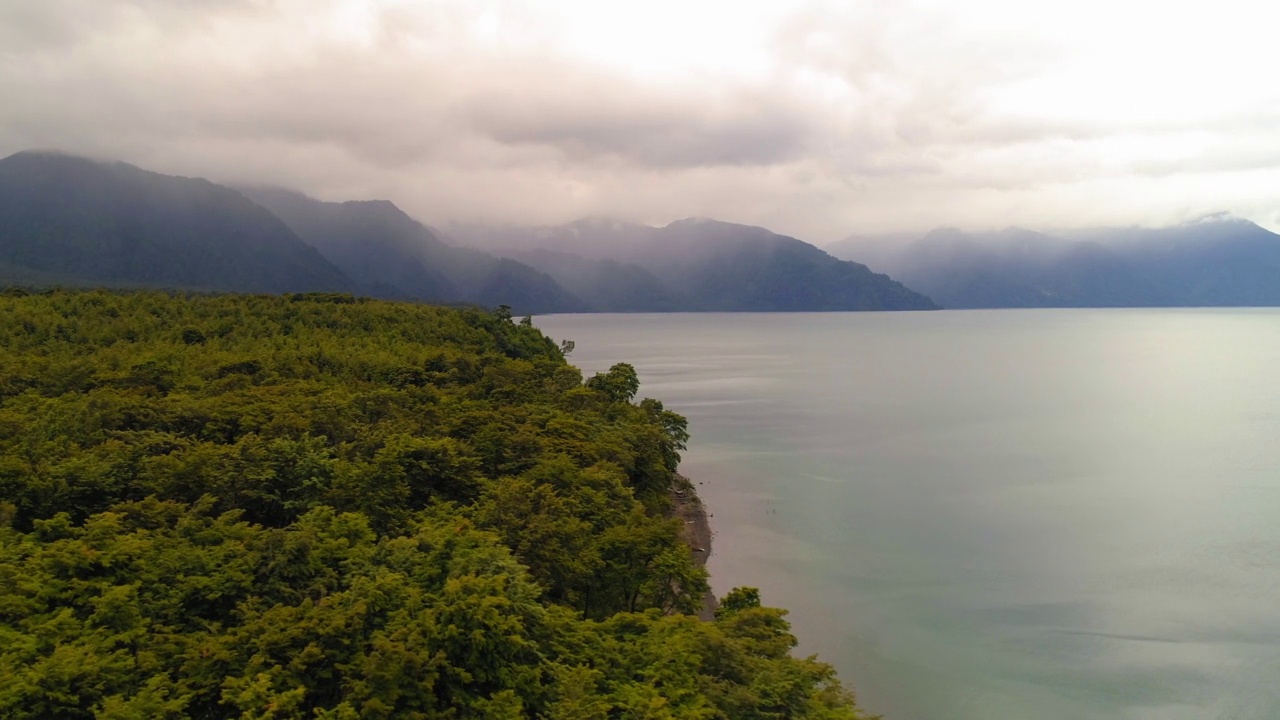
{"points": [[696, 528]]}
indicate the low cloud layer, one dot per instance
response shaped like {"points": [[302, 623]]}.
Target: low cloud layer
{"points": [[819, 120]]}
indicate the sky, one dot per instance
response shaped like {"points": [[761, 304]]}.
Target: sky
{"points": [[817, 119]]}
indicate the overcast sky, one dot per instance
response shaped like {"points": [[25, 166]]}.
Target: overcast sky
{"points": [[818, 119]]}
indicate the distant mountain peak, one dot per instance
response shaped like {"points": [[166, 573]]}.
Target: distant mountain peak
{"points": [[1213, 260], [698, 221], [712, 225], [283, 193], [54, 153], [376, 205], [1016, 231], [47, 156], [1218, 218], [699, 264], [601, 221], [391, 254], [592, 225]]}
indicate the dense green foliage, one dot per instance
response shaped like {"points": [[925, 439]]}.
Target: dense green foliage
{"points": [[323, 507]]}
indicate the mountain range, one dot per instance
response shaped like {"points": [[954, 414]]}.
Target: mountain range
{"points": [[389, 254], [693, 265], [66, 220], [1218, 260], [85, 222], [70, 220]]}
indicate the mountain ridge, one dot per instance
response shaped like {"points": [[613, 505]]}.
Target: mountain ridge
{"points": [[696, 264], [90, 220], [69, 220], [383, 247], [1215, 260]]}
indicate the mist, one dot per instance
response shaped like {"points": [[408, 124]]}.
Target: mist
{"points": [[817, 120]]}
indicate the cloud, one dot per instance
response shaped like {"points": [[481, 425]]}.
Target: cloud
{"points": [[819, 119], [600, 119]]}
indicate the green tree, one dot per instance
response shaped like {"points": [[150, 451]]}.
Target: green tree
{"points": [[332, 507], [620, 384]]}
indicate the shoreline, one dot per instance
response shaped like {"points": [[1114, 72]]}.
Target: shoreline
{"points": [[696, 531]]}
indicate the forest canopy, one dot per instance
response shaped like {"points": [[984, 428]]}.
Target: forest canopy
{"points": [[320, 506]]}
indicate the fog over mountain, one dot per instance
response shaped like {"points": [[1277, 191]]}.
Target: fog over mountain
{"points": [[389, 254], [69, 220], [72, 221], [814, 119], [1216, 260], [694, 264]]}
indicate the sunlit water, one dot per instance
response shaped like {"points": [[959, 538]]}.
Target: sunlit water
{"points": [[1052, 514]]}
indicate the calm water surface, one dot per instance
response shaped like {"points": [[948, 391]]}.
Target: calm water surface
{"points": [[1051, 514]]}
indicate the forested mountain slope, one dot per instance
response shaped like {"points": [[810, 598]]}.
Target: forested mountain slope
{"points": [[312, 506], [1215, 260], [76, 222], [695, 265], [86, 222], [1218, 260], [392, 255]]}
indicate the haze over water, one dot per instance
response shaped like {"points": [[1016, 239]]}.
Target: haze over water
{"points": [[1047, 514]]}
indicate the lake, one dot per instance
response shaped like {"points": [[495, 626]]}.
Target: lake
{"points": [[991, 515]]}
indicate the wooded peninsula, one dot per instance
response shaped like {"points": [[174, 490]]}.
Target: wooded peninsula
{"points": [[323, 506]]}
